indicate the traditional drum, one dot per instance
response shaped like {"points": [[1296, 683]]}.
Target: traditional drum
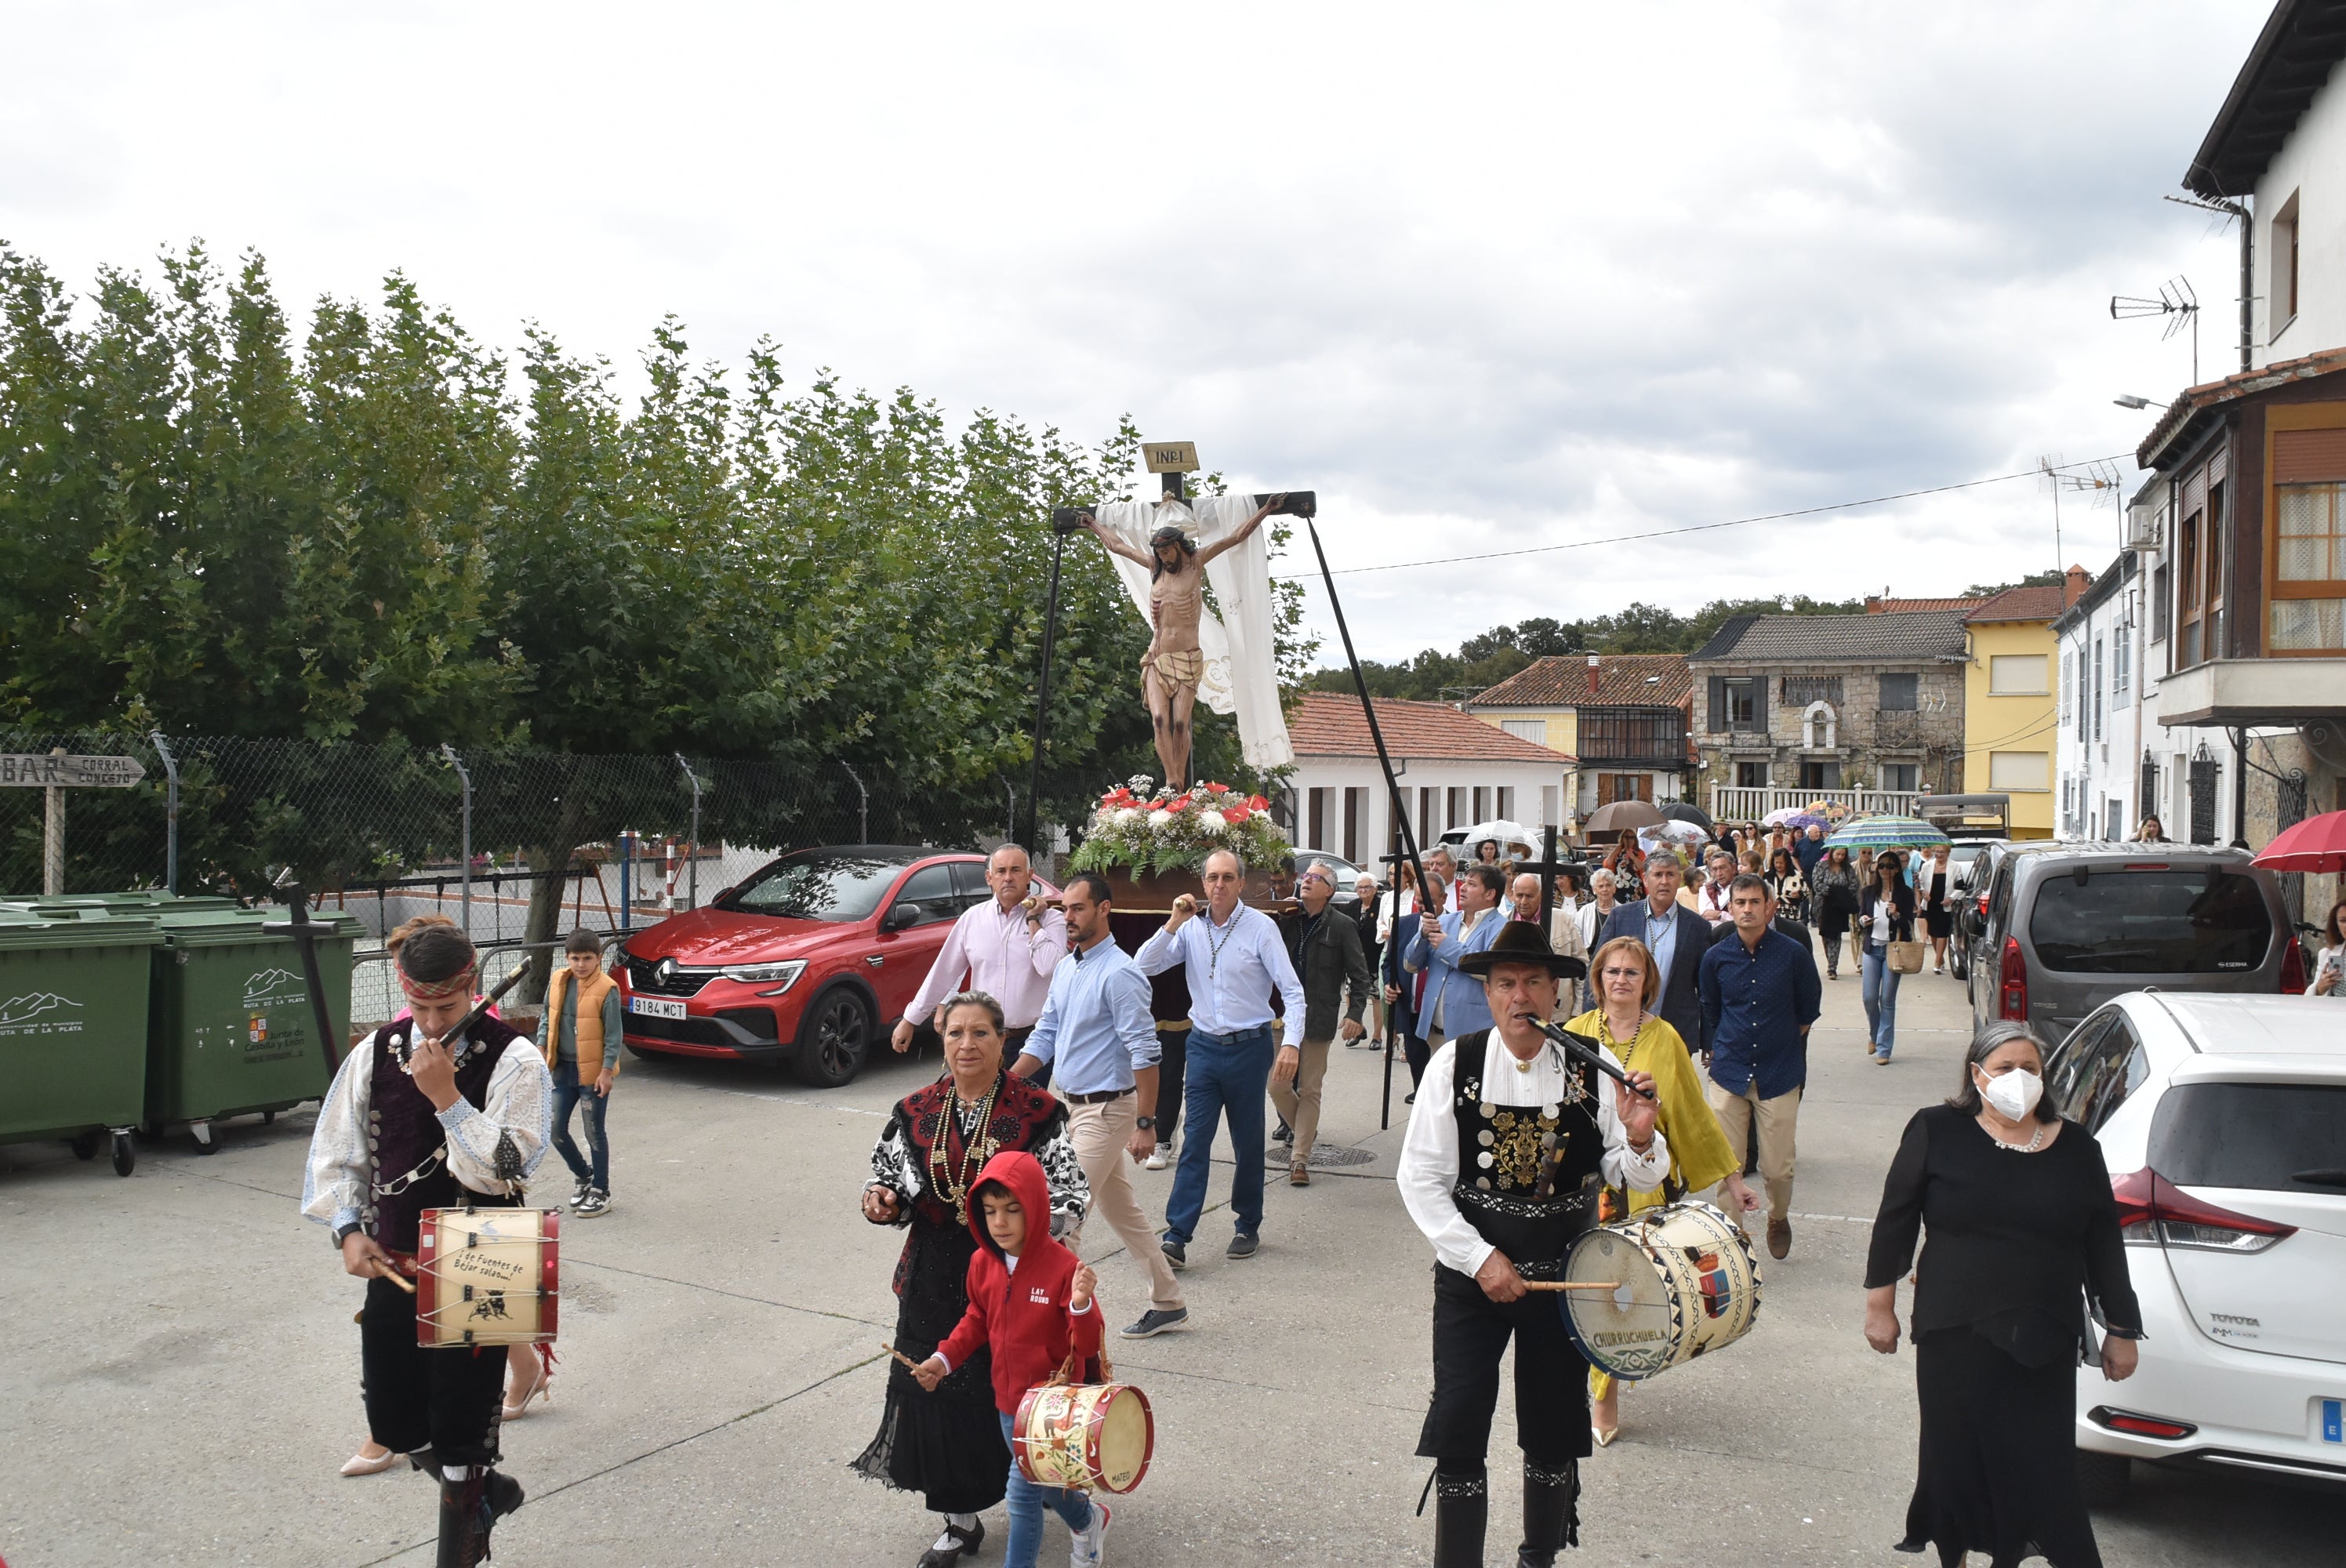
{"points": [[1093, 1437], [487, 1277], [1687, 1284]]}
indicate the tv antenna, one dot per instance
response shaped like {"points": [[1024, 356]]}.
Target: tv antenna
{"points": [[2097, 480], [2177, 302]]}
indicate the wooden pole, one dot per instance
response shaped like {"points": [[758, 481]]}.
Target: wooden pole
{"points": [[53, 837]]}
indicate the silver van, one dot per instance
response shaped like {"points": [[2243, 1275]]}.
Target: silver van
{"points": [[2067, 926]]}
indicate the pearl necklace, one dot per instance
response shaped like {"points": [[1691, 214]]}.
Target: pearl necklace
{"points": [[2030, 1147]]}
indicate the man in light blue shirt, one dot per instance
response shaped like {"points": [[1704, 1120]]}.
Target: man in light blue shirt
{"points": [[1235, 960], [1098, 1027], [1454, 1003]]}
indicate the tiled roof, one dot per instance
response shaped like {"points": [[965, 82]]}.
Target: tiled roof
{"points": [[1878, 606], [1328, 725], [2034, 604], [1622, 681], [1913, 636], [2178, 415]]}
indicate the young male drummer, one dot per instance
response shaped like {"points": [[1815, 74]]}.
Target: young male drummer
{"points": [[1507, 1151], [416, 1122]]}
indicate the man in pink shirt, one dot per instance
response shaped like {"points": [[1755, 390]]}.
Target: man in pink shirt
{"points": [[1006, 947]]}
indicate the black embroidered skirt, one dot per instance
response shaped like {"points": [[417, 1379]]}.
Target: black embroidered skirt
{"points": [[948, 1444]]}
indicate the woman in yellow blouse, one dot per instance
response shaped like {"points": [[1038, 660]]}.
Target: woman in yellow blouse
{"points": [[1626, 980]]}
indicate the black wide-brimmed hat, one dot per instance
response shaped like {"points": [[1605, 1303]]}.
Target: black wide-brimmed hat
{"points": [[1519, 942]]}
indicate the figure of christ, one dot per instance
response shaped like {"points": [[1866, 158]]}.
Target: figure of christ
{"points": [[1171, 669]]}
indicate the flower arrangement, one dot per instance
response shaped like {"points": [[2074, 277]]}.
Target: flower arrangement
{"points": [[1147, 831]]}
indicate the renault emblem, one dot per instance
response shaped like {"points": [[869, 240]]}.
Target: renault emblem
{"points": [[664, 973]]}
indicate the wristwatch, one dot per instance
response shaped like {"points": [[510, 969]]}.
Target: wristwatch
{"points": [[1146, 1124], [344, 1232]]}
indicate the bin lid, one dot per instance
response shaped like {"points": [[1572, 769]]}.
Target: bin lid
{"points": [[132, 902], [23, 930], [220, 927]]}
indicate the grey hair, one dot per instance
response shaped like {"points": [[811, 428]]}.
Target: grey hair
{"points": [[1236, 858], [1664, 856], [999, 848], [1992, 1035], [974, 999], [1601, 875], [1323, 871]]}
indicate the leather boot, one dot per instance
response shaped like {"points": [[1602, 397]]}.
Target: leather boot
{"points": [[1462, 1511], [1551, 1513], [469, 1510]]}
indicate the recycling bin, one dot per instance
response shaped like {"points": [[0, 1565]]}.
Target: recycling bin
{"points": [[74, 988], [231, 1029]]}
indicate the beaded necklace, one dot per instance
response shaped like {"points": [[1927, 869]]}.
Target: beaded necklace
{"points": [[975, 1149]]}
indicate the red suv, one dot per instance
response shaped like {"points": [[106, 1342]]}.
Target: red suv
{"points": [[810, 961]]}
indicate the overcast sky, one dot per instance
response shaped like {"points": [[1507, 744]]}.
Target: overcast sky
{"points": [[1484, 277]]}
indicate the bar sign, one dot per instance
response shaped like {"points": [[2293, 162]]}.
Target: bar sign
{"points": [[2333, 1421]]}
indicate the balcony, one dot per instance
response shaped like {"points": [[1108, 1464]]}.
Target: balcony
{"points": [[1734, 803], [1631, 737]]}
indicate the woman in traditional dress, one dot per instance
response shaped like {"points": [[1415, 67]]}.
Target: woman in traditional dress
{"points": [[1626, 979], [948, 1444]]}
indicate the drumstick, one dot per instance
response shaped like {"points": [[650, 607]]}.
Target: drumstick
{"points": [[900, 1355], [1572, 1285], [384, 1270]]}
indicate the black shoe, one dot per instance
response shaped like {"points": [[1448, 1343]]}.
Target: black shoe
{"points": [[1410, 1098], [1156, 1321], [967, 1541], [468, 1512], [1285, 1134], [1175, 1254], [1242, 1244]]}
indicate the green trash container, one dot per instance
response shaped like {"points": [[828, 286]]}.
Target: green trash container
{"points": [[145, 901], [73, 1027], [233, 1030]]}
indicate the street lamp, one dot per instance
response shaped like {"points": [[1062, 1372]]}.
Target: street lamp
{"points": [[2130, 401]]}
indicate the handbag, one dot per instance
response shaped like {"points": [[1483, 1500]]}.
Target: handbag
{"points": [[1906, 957], [1840, 898]]}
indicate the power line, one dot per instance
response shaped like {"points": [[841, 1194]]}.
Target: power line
{"points": [[1707, 527]]}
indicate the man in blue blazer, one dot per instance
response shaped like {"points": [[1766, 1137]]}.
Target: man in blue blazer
{"points": [[1677, 937], [1454, 1003]]}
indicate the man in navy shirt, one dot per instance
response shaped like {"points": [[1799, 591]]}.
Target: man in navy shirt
{"points": [[1759, 995]]}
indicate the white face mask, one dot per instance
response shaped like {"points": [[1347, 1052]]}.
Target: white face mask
{"points": [[2014, 1094]]}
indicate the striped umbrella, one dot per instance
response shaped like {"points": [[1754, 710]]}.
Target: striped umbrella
{"points": [[1885, 833]]}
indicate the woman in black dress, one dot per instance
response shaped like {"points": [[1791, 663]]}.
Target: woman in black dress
{"points": [[948, 1444], [1786, 886], [1936, 884], [1832, 894], [2022, 1228], [1365, 887]]}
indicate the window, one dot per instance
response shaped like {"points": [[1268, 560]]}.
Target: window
{"points": [[2212, 596], [1899, 777], [1506, 803], [1742, 707], [1901, 693], [2173, 921], [2121, 656], [1454, 810], [2068, 683], [931, 887], [2282, 307], [2248, 1134], [1356, 811], [2029, 771], [2187, 594], [1315, 829], [1532, 729], [1482, 798], [2016, 675], [2096, 1070], [2160, 587], [1612, 786], [1751, 775], [2308, 606], [1823, 775], [1799, 690], [2097, 688], [969, 884]]}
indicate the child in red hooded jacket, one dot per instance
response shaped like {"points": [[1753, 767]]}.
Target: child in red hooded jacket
{"points": [[1031, 1300]]}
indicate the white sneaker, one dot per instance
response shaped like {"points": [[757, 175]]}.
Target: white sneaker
{"points": [[1088, 1541], [1158, 1159]]}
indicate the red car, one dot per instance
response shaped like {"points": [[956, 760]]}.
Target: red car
{"points": [[810, 961]]}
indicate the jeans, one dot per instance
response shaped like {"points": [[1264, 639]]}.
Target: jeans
{"points": [[568, 1092], [1026, 1501], [1228, 1074], [1171, 1071], [1881, 992]]}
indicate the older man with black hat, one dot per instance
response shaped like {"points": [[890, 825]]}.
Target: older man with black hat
{"points": [[1510, 1143]]}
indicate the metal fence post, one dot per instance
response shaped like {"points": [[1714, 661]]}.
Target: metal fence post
{"points": [[170, 814], [692, 849], [464, 779], [864, 833], [627, 878]]}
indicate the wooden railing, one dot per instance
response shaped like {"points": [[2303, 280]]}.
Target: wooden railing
{"points": [[1736, 803]]}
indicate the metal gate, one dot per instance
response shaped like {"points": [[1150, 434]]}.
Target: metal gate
{"points": [[2205, 772], [2289, 810]]}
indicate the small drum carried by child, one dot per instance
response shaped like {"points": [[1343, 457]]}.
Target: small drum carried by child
{"points": [[1688, 1284], [487, 1277], [1091, 1436]]}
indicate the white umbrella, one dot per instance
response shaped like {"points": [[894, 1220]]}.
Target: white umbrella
{"points": [[1501, 832]]}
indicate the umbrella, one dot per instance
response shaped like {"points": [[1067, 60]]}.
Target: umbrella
{"points": [[1500, 831], [1621, 814], [1679, 835], [2316, 844], [1789, 817], [1886, 833], [1687, 811]]}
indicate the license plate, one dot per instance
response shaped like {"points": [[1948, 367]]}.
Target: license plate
{"points": [[655, 1007], [2333, 1421]]}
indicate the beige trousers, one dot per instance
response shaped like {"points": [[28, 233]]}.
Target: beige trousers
{"points": [[1779, 1121], [1299, 1102], [1098, 1135]]}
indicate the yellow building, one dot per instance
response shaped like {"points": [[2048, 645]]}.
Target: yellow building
{"points": [[2010, 713]]}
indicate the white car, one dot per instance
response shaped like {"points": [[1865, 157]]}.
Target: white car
{"points": [[2223, 1120]]}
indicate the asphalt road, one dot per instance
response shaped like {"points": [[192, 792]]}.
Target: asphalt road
{"points": [[181, 1376]]}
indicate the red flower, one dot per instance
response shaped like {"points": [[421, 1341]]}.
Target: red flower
{"points": [[1256, 803], [1179, 803], [1217, 788], [1235, 815]]}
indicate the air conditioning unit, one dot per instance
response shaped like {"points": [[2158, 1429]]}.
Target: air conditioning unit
{"points": [[2143, 528]]}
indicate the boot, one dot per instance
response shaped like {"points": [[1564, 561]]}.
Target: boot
{"points": [[1551, 1513], [1461, 1509], [469, 1509]]}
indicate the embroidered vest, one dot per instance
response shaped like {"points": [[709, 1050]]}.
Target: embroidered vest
{"points": [[407, 1148], [1528, 1176]]}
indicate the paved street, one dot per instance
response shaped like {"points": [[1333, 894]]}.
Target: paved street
{"points": [[182, 1374]]}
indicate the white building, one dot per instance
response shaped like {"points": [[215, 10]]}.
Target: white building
{"points": [[1455, 770], [2110, 771]]}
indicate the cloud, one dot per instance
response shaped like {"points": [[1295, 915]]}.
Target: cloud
{"points": [[1484, 278]]}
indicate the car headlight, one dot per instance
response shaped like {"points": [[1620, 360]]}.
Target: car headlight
{"points": [[780, 976]]}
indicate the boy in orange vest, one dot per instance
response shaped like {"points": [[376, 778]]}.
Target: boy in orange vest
{"points": [[582, 1051]]}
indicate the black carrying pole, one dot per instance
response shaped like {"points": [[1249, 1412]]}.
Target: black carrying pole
{"points": [[1392, 783], [1060, 530], [305, 933]]}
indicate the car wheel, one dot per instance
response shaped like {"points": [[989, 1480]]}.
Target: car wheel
{"points": [[834, 1039], [640, 1054], [2104, 1478]]}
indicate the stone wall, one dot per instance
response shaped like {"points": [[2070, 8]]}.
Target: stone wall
{"points": [[1863, 737]]}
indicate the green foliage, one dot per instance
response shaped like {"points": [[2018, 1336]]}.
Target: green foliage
{"points": [[2053, 579]]}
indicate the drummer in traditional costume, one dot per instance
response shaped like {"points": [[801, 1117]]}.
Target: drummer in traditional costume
{"points": [[948, 1444], [1623, 1023], [416, 1122], [1507, 1150]]}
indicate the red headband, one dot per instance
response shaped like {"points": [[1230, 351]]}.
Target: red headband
{"points": [[458, 984]]}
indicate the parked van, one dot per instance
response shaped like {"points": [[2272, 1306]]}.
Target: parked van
{"points": [[2067, 926]]}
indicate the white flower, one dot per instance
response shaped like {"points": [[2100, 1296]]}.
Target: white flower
{"points": [[1128, 816], [1210, 822], [1159, 818]]}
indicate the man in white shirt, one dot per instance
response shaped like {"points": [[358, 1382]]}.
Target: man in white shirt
{"points": [[1234, 959], [1507, 1151], [1711, 903], [1006, 947]]}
